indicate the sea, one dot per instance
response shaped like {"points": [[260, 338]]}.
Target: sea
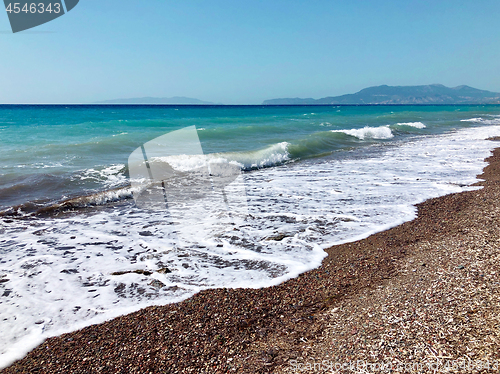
{"points": [[77, 249]]}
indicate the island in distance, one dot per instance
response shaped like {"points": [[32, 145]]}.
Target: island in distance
{"points": [[157, 100], [403, 95]]}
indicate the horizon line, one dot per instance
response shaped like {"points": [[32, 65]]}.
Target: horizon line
{"points": [[249, 105]]}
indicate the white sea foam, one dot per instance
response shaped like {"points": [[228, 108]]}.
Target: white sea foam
{"points": [[182, 162], [78, 269], [483, 121], [477, 120], [38, 165], [272, 155], [109, 177], [99, 198], [417, 125], [382, 132]]}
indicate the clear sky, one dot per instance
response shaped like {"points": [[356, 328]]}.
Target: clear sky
{"points": [[243, 52]]}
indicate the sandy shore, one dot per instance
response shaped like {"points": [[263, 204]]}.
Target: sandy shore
{"points": [[424, 293]]}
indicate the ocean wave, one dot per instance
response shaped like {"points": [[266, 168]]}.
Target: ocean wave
{"points": [[483, 121], [417, 125], [382, 132], [273, 155], [85, 201], [98, 198], [270, 156], [115, 185], [110, 176]]}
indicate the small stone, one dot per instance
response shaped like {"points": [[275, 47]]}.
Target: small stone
{"points": [[69, 271], [164, 271], [156, 283]]}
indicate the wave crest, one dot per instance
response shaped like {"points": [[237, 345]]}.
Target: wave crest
{"points": [[275, 154], [417, 125], [482, 121], [382, 132]]}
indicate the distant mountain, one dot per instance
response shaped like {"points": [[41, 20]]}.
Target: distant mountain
{"points": [[157, 100], [430, 94]]}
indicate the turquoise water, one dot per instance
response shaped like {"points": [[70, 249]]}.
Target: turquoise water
{"points": [[72, 238], [47, 147]]}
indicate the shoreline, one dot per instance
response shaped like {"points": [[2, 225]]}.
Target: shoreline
{"points": [[264, 330]]}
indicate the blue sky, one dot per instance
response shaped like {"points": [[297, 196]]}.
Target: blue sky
{"points": [[243, 52]]}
